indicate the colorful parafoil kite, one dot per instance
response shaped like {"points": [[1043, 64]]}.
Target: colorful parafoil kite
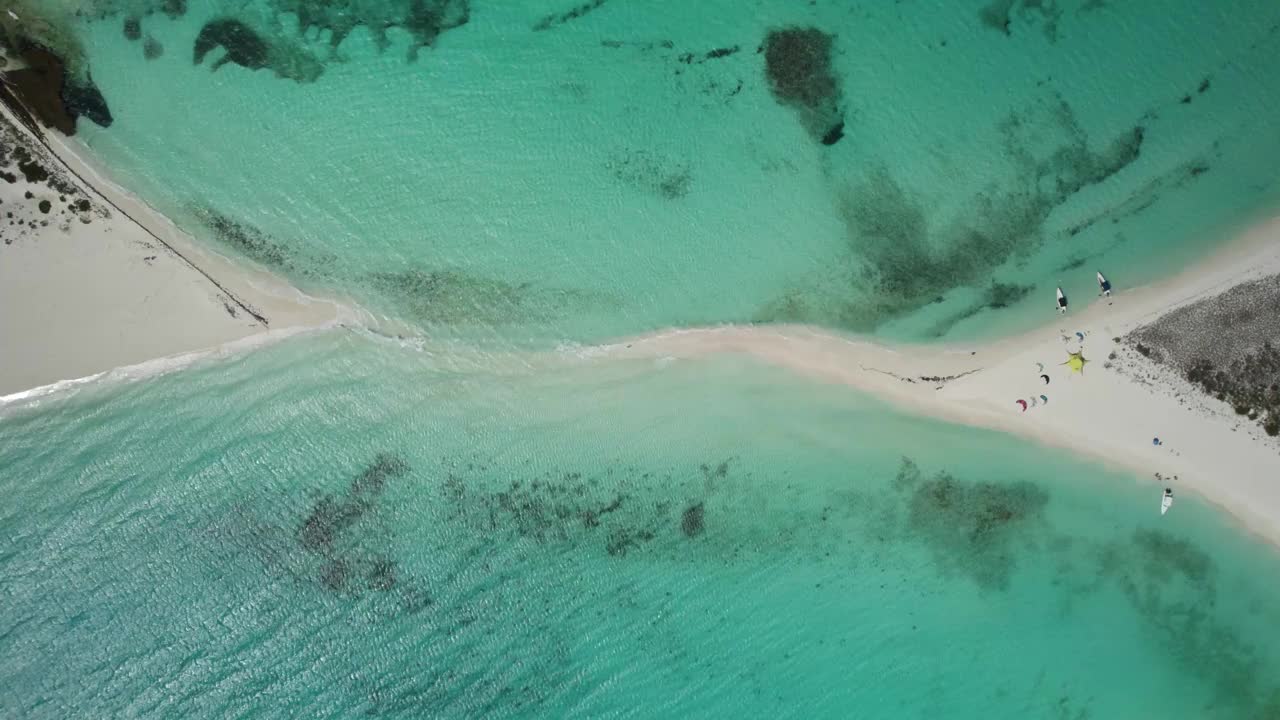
{"points": [[1076, 362]]}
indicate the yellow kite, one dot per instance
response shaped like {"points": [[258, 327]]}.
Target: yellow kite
{"points": [[1076, 362]]}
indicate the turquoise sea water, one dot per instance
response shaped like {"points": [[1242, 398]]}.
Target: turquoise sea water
{"points": [[338, 527], [611, 173], [343, 525]]}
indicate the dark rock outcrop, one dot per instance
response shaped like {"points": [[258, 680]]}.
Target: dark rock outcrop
{"points": [[244, 46], [250, 49], [48, 91]]}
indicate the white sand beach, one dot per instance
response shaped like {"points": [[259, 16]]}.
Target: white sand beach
{"points": [[1101, 413], [116, 284]]}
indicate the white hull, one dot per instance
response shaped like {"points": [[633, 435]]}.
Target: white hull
{"points": [[1165, 503]]}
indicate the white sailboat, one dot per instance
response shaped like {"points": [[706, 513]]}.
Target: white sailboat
{"points": [[1166, 502]]}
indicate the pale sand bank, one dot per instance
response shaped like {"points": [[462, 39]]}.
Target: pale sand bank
{"points": [[126, 287], [1104, 414]]}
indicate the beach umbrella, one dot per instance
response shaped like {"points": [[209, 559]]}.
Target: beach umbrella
{"points": [[1076, 362], [1045, 378], [1023, 403]]}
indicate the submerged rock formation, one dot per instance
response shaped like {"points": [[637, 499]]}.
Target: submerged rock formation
{"points": [[244, 47], [247, 48], [49, 91], [424, 20], [151, 48], [798, 66]]}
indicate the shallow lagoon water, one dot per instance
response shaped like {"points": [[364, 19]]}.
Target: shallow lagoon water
{"points": [[345, 524], [341, 526], [556, 174]]}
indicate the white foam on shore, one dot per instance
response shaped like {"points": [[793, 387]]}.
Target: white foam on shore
{"points": [[114, 303], [155, 367]]}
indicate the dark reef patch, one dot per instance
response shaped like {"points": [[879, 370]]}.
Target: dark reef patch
{"points": [[331, 516], [350, 545], [800, 75], [1002, 295], [1172, 585], [244, 47], [665, 177], [550, 21], [249, 49], [693, 520], [427, 19], [84, 99], [246, 239], [643, 47], [689, 58], [999, 15], [711, 84], [1151, 192], [834, 134], [553, 508], [261, 38], [174, 9], [1201, 89], [975, 528], [132, 28], [909, 260], [459, 297], [619, 513], [151, 48], [424, 20]]}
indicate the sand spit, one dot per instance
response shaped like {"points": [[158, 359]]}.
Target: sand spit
{"points": [[1113, 411], [92, 279]]}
